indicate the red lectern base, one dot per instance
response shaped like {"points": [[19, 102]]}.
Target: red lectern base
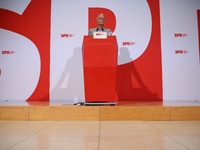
{"points": [[100, 85]]}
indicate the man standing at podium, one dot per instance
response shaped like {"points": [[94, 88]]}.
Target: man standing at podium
{"points": [[100, 23]]}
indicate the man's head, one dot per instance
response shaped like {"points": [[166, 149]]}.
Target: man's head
{"points": [[100, 20]]}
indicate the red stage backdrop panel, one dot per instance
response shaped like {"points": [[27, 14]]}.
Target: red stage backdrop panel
{"points": [[142, 79], [34, 24]]}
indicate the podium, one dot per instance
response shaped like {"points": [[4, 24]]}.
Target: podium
{"points": [[99, 66]]}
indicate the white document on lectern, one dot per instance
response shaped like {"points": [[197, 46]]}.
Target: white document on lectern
{"points": [[100, 35]]}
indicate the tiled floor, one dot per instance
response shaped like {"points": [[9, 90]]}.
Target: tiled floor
{"points": [[99, 135]]}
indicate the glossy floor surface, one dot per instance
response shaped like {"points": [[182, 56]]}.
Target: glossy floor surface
{"points": [[99, 135]]}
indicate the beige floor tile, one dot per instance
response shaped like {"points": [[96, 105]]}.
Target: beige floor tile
{"points": [[13, 132], [4, 121], [95, 135], [117, 135], [140, 143], [195, 122], [176, 128], [186, 133], [114, 143], [72, 129], [193, 143], [58, 143], [62, 135], [127, 128]]}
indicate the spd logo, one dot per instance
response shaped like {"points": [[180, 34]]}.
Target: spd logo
{"points": [[180, 35], [7, 52], [181, 51], [66, 35], [128, 43]]}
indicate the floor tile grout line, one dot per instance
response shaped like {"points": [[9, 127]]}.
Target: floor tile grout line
{"points": [[166, 135], [24, 139], [99, 135]]}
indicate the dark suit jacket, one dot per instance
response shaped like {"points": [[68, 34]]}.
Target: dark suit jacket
{"points": [[91, 31]]}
